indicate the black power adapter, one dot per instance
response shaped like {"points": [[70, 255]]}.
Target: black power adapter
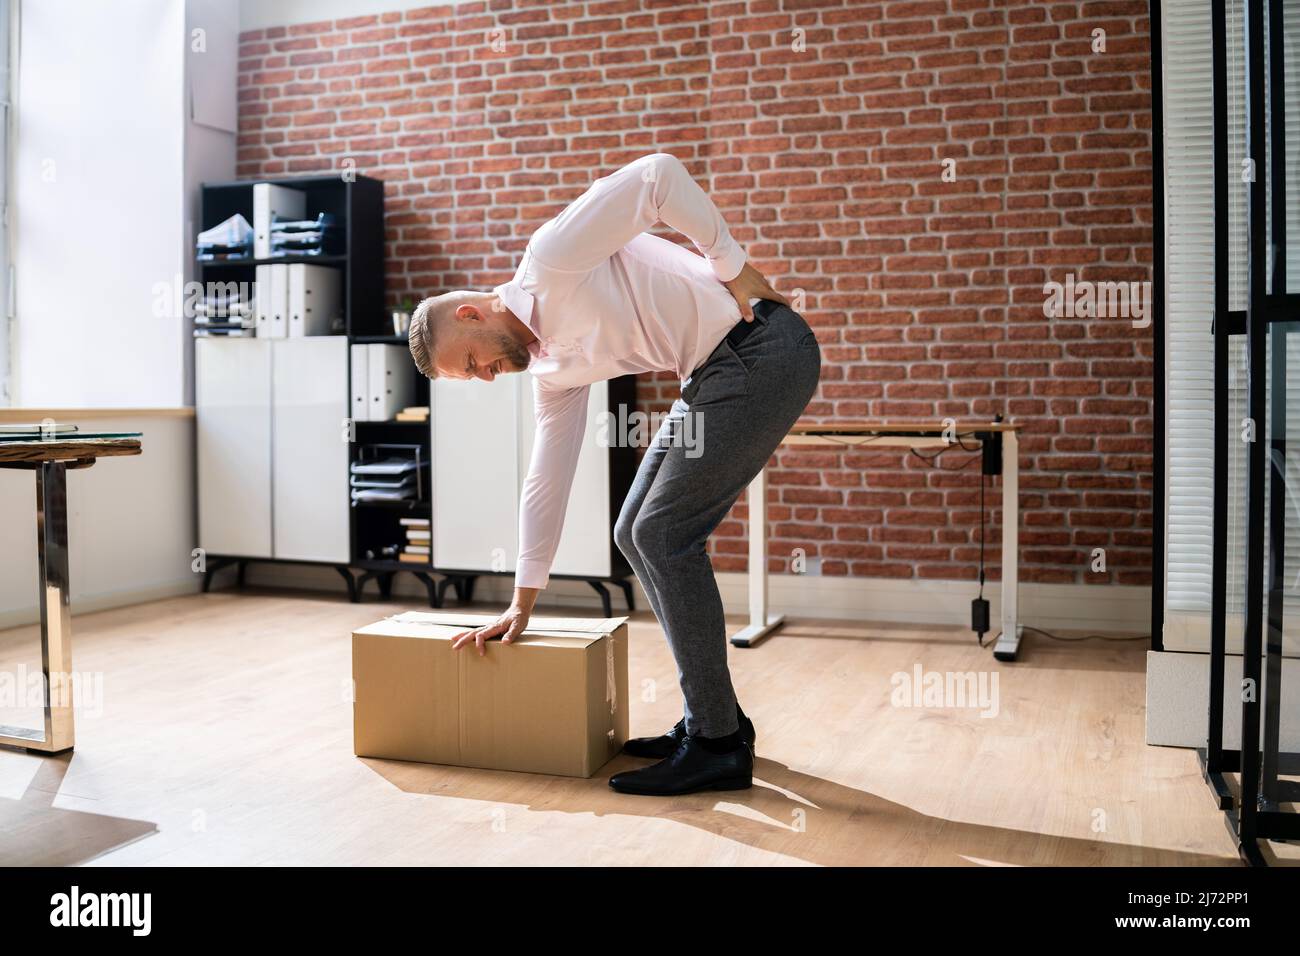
{"points": [[979, 617], [991, 464]]}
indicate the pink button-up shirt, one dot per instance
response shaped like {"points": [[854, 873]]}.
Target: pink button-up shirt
{"points": [[604, 299]]}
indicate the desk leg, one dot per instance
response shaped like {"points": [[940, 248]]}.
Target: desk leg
{"points": [[56, 618], [761, 624], [1008, 643]]}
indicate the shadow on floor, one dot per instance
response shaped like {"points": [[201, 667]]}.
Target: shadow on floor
{"points": [[789, 813], [1116, 654], [33, 832]]}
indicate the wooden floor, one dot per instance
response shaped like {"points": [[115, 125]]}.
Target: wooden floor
{"points": [[223, 736]]}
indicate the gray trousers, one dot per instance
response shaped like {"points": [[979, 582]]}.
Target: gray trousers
{"points": [[732, 415]]}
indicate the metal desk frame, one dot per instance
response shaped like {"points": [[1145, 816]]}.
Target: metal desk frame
{"points": [[51, 460], [762, 622]]}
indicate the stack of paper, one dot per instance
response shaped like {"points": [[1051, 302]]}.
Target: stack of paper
{"points": [[306, 237], [232, 239], [225, 309], [386, 479]]}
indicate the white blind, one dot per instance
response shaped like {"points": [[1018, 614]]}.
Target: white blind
{"points": [[1187, 90], [1291, 498], [1187, 87]]}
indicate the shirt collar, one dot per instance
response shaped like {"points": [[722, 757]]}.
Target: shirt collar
{"points": [[518, 300]]}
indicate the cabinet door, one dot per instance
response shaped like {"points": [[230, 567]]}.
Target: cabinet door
{"points": [[309, 477], [232, 398], [587, 538], [475, 428]]}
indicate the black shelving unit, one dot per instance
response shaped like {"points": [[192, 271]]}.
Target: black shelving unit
{"points": [[321, 260], [376, 525], [358, 202]]}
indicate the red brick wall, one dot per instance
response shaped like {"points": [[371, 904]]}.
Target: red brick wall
{"points": [[824, 148]]}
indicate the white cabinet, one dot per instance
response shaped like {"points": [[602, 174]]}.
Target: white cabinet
{"points": [[584, 545], [309, 448], [476, 474], [232, 398], [272, 450], [482, 439]]}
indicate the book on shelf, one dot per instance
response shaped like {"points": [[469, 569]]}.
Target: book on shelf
{"points": [[416, 549], [417, 535], [413, 558], [414, 522], [413, 413]]}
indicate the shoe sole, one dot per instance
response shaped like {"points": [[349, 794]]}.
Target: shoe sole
{"points": [[667, 754], [732, 783]]}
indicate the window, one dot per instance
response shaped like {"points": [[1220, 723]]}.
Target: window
{"points": [[1189, 363], [7, 11]]}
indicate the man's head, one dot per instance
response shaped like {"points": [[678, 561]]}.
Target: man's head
{"points": [[467, 334]]}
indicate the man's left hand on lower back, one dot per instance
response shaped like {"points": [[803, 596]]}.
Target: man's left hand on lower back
{"points": [[751, 284]]}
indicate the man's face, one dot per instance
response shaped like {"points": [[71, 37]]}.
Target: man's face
{"points": [[477, 350]]}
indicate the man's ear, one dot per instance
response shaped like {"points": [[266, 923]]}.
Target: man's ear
{"points": [[466, 312]]}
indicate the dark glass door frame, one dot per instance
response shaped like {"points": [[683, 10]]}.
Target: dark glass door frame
{"points": [[1158, 583], [1252, 812]]}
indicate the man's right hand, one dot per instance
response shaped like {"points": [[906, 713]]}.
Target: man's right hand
{"points": [[511, 623]]}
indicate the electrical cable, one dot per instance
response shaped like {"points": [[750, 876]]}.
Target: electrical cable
{"points": [[849, 441], [958, 443], [930, 460], [1087, 637], [982, 534], [979, 607], [853, 441], [979, 598]]}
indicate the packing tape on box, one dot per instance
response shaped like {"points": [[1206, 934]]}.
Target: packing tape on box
{"points": [[550, 627], [611, 690], [611, 679]]}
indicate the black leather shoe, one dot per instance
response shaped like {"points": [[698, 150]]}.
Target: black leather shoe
{"points": [[662, 747], [690, 768]]}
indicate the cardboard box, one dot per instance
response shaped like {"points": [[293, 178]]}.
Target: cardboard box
{"points": [[554, 701]]}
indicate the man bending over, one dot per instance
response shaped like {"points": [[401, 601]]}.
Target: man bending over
{"points": [[595, 297]]}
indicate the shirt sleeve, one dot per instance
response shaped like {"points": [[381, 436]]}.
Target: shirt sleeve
{"points": [[561, 421], [615, 209]]}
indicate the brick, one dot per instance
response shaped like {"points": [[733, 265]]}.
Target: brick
{"points": [[925, 295]]}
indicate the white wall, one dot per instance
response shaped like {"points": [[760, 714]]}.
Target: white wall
{"points": [[107, 163], [106, 166], [98, 218], [130, 520], [209, 147], [258, 14], [8, 44]]}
